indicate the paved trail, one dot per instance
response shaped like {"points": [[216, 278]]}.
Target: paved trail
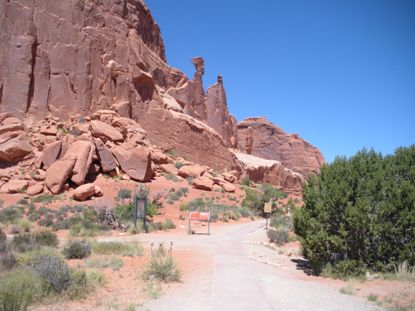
{"points": [[240, 280]]}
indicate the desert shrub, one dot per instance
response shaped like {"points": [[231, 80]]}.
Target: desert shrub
{"points": [[255, 199], [46, 221], [25, 225], [117, 248], [183, 207], [359, 213], [279, 237], [246, 181], [18, 289], [78, 288], [281, 221], [51, 269], [3, 241], [15, 229], [124, 194], [113, 262], [67, 223], [46, 198], [171, 177], [168, 224], [8, 260], [124, 213], [178, 164], [161, 266], [76, 249], [152, 209], [46, 238], [11, 213], [23, 202], [24, 242]]}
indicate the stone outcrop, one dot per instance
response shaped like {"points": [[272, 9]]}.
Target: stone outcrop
{"points": [[203, 183], [270, 171], [58, 173], [14, 142], [136, 162], [218, 116], [272, 143]]}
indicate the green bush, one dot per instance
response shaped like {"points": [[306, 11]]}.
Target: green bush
{"points": [[167, 225], [256, 199], [117, 248], [280, 221], [124, 194], [76, 249], [246, 181], [18, 289], [51, 269], [29, 241], [124, 213], [171, 177], [360, 213], [113, 262], [8, 261], [279, 237], [46, 198], [11, 213], [162, 267], [46, 238], [24, 242], [3, 241]]}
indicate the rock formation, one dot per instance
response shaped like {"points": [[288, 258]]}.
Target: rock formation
{"points": [[272, 143], [85, 89]]}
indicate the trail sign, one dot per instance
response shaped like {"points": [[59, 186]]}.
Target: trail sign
{"points": [[268, 207], [199, 216]]}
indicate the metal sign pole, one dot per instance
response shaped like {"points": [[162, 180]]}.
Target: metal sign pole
{"points": [[145, 216], [135, 210]]}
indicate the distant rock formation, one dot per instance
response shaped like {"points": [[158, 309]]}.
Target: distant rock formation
{"points": [[265, 140]]}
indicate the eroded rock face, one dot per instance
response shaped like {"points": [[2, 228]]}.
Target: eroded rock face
{"points": [[187, 137], [14, 142], [270, 171], [272, 143], [218, 116], [74, 57]]}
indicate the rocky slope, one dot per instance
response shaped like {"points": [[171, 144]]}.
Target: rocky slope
{"points": [[261, 138], [61, 62]]}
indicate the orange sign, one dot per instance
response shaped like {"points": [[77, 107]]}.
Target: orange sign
{"points": [[201, 216]]}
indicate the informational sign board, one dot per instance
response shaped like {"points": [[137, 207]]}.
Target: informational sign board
{"points": [[199, 216], [268, 207]]}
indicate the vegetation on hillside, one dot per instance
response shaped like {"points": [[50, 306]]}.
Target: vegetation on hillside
{"points": [[359, 214]]}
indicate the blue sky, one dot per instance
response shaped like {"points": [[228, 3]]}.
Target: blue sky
{"points": [[341, 73]]}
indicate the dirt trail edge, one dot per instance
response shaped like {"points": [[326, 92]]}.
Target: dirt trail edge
{"points": [[238, 273]]}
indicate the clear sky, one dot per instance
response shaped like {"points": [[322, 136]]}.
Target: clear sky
{"points": [[341, 73]]}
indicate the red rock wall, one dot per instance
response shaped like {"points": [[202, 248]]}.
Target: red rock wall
{"points": [[71, 56], [272, 143]]}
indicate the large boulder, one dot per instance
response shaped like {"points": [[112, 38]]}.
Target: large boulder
{"points": [[84, 192], [203, 183], [105, 156], [15, 186], [58, 173], [34, 189], [49, 155], [191, 171], [105, 131], [83, 151], [15, 149], [135, 162]]}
